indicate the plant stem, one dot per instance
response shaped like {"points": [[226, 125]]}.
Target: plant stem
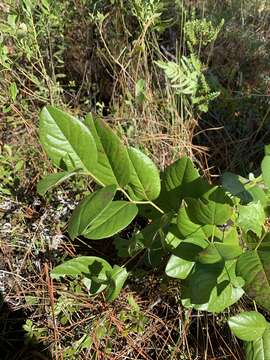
{"points": [[141, 202], [261, 240]]}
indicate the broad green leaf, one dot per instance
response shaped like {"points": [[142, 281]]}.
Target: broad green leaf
{"points": [[92, 268], [228, 251], [254, 267], [113, 164], [202, 281], [89, 210], [187, 228], [144, 181], [179, 175], [114, 218], [52, 180], [228, 236], [179, 180], [78, 266], [209, 255], [265, 166], [186, 299], [117, 278], [65, 138], [258, 194], [173, 237], [251, 217], [224, 292], [228, 289], [232, 184], [217, 251], [248, 326], [213, 208], [258, 349], [189, 249], [178, 268]]}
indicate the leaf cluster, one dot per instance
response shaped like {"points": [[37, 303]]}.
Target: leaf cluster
{"points": [[215, 239]]}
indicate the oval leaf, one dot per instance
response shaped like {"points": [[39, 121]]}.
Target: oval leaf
{"points": [[117, 278], [66, 139], [210, 255], [212, 209], [178, 268], [248, 326], [190, 248], [217, 251], [225, 291], [181, 179], [258, 194], [232, 184], [89, 209], [203, 280], [251, 217], [145, 181], [113, 164], [188, 228], [228, 289], [114, 218], [53, 180], [258, 349], [228, 251], [93, 268], [254, 267]]}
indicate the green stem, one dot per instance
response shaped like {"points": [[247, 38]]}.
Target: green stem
{"points": [[255, 305], [156, 207], [141, 202], [261, 240], [127, 196]]}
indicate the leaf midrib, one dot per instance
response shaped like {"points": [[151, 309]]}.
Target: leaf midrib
{"points": [[81, 125], [89, 229]]}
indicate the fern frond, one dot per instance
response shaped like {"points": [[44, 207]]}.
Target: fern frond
{"points": [[187, 78]]}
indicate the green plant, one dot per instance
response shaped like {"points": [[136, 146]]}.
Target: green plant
{"points": [[188, 80], [31, 55], [33, 332], [134, 319], [73, 351], [214, 238], [65, 308], [200, 33], [254, 330], [11, 166], [149, 13]]}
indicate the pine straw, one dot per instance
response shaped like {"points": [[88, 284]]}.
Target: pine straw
{"points": [[170, 331]]}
